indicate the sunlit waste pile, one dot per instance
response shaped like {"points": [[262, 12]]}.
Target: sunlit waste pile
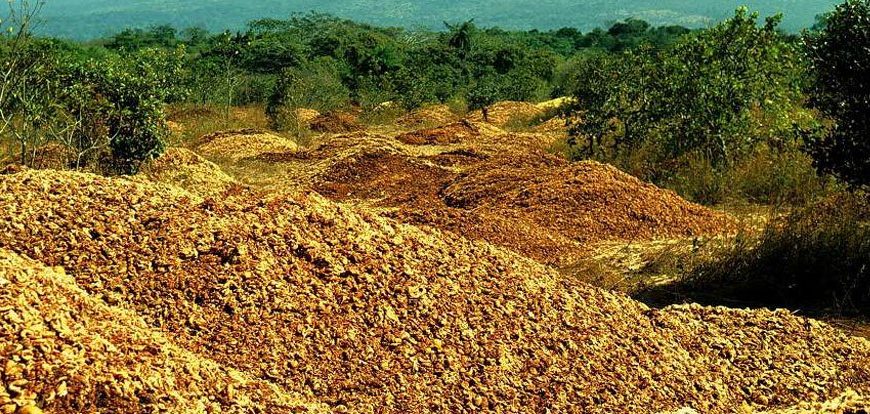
{"points": [[287, 303]]}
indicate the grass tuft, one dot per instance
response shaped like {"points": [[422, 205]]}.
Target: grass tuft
{"points": [[815, 259]]}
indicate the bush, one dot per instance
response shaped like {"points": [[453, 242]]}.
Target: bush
{"points": [[129, 94], [378, 101], [484, 93], [315, 85], [840, 56], [88, 102], [705, 95], [29, 81], [816, 258]]}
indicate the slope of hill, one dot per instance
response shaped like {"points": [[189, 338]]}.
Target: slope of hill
{"points": [[367, 315], [65, 351], [91, 18]]}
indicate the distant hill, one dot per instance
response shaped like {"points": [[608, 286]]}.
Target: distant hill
{"points": [[83, 19]]}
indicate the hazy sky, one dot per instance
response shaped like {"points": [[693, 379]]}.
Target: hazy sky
{"points": [[91, 18]]}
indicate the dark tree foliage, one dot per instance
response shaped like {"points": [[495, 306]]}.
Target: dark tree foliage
{"points": [[131, 91], [411, 67], [134, 39], [709, 94], [314, 85], [106, 98], [840, 57]]}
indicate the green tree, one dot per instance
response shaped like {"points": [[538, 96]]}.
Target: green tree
{"points": [[840, 56], [120, 101], [224, 56], [314, 85], [711, 94], [26, 79], [164, 36], [461, 37], [485, 93]]}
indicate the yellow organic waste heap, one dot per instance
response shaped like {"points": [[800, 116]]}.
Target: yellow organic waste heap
{"points": [[276, 304]]}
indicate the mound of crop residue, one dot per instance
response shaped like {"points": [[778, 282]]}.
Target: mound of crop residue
{"points": [[275, 172], [175, 128], [555, 103], [430, 115], [305, 115], [505, 112], [447, 134], [586, 201], [369, 315], [458, 158], [463, 131], [184, 168], [336, 123], [469, 191], [849, 402], [407, 187], [66, 351], [238, 144], [521, 142], [388, 176], [512, 233]]}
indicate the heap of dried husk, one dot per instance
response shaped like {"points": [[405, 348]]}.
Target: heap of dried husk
{"points": [[533, 203], [63, 350], [480, 135], [453, 133], [373, 316], [184, 168], [244, 143], [586, 201], [336, 123], [556, 103], [305, 115], [408, 188]]}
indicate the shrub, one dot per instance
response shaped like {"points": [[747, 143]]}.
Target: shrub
{"points": [[315, 85], [417, 89], [704, 95], [129, 93], [840, 56], [378, 101], [29, 81], [766, 175], [483, 94]]}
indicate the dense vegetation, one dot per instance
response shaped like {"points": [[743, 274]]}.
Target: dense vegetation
{"points": [[840, 61], [815, 259], [697, 111], [713, 106], [108, 96]]}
